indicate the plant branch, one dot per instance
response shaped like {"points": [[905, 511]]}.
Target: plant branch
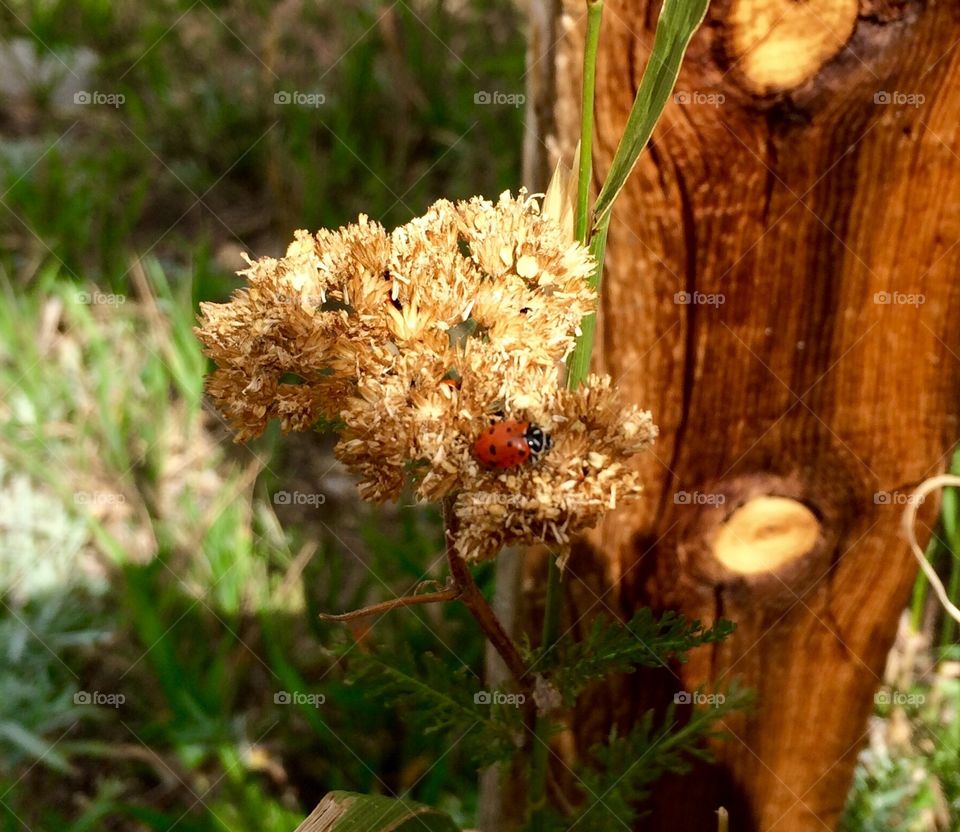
{"points": [[473, 598], [450, 594]]}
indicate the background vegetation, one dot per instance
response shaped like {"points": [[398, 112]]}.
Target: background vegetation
{"points": [[162, 663]]}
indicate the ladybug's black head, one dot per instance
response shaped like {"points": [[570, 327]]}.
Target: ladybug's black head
{"points": [[537, 440]]}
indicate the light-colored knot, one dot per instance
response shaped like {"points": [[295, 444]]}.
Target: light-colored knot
{"points": [[780, 44], [764, 534]]}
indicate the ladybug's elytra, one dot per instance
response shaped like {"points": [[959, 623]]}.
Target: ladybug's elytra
{"points": [[510, 443]]}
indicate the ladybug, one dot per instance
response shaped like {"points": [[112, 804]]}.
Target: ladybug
{"points": [[510, 443]]}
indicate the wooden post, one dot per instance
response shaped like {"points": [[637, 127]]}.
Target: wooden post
{"points": [[783, 293]]}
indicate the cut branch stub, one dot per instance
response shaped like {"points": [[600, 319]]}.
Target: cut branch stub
{"points": [[764, 534], [760, 533], [777, 45]]}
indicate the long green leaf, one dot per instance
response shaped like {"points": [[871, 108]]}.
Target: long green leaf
{"points": [[679, 19], [350, 812]]}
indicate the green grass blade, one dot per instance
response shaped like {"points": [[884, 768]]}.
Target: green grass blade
{"points": [[950, 519], [35, 747], [679, 19]]}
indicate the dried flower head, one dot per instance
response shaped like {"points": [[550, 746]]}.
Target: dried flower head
{"points": [[414, 342]]}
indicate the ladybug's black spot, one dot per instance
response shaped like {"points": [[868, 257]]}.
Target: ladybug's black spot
{"points": [[509, 429], [493, 449]]}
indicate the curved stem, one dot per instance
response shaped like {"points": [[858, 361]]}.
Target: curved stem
{"points": [[473, 598]]}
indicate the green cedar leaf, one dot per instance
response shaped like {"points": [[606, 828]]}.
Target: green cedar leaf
{"points": [[611, 646], [621, 772], [438, 698]]}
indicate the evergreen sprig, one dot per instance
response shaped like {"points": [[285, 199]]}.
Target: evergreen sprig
{"points": [[616, 777], [486, 724], [612, 646]]}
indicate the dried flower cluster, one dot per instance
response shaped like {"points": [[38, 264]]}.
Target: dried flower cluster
{"points": [[413, 342]]}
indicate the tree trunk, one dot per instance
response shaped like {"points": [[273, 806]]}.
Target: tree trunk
{"points": [[781, 294]]}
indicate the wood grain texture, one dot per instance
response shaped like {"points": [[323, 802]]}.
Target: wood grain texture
{"points": [[814, 217]]}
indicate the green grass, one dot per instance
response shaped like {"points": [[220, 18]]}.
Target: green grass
{"points": [[179, 589], [199, 154], [908, 777], [141, 554]]}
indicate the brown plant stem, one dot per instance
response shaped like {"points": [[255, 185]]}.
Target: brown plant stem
{"points": [[450, 594], [559, 796], [471, 595]]}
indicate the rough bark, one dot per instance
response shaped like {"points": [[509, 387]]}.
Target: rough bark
{"points": [[802, 189]]}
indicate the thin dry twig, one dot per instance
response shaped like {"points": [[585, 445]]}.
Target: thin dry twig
{"points": [[450, 594], [463, 588]]}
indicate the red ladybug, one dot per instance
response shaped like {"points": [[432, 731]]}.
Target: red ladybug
{"points": [[510, 443]]}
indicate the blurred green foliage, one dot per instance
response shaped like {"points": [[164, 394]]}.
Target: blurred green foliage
{"points": [[908, 778], [209, 143], [163, 662], [174, 665]]}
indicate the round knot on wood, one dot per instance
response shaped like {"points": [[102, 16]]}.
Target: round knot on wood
{"points": [[777, 45], [764, 534]]}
